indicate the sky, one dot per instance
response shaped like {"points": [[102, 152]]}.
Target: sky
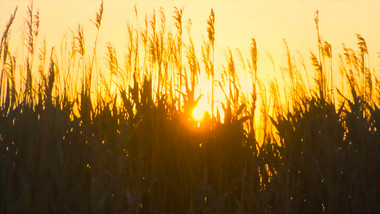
{"points": [[269, 22]]}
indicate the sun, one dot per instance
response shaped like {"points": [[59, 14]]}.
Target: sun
{"points": [[198, 113], [200, 110]]}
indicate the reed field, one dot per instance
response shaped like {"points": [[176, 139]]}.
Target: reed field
{"points": [[79, 138]]}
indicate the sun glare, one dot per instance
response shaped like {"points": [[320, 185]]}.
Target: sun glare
{"points": [[200, 110]]}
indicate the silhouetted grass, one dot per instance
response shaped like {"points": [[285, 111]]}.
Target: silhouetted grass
{"points": [[128, 144]]}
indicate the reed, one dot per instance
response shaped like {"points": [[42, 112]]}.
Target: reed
{"points": [[127, 142]]}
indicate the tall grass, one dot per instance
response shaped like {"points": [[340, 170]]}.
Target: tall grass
{"points": [[128, 142]]}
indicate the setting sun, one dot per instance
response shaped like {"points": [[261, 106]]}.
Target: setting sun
{"points": [[201, 109], [198, 113]]}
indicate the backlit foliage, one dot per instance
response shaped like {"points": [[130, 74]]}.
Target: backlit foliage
{"points": [[78, 139]]}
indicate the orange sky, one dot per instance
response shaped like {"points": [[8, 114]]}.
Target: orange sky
{"points": [[236, 21]]}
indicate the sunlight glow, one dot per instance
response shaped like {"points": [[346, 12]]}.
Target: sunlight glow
{"points": [[201, 109], [198, 112]]}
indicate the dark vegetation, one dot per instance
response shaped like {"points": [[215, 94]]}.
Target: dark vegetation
{"points": [[68, 145]]}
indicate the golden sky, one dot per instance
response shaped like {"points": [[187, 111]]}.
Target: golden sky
{"points": [[236, 21]]}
